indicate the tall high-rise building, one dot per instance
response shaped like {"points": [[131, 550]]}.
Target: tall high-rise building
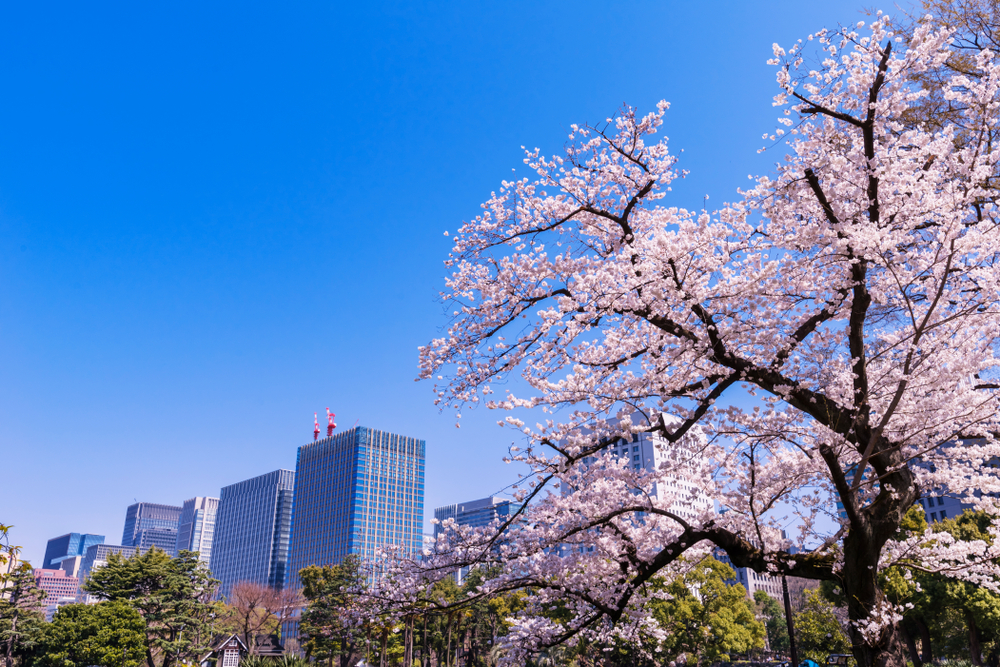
{"points": [[646, 451], [650, 452], [67, 546], [151, 525], [251, 531], [197, 526], [476, 513], [356, 492]]}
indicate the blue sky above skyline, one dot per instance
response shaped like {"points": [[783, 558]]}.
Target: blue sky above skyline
{"points": [[215, 221]]}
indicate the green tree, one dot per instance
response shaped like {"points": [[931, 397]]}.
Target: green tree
{"points": [[111, 634], [706, 618], [172, 594], [21, 612], [817, 630], [774, 621], [327, 628]]}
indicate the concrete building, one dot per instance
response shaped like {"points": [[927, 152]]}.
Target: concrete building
{"points": [[356, 492], [646, 451], [151, 525], [97, 557], [67, 546], [197, 526], [752, 581], [60, 589], [252, 531], [71, 565]]}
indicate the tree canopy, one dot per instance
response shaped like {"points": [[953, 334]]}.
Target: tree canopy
{"points": [[853, 293], [172, 595], [112, 634]]}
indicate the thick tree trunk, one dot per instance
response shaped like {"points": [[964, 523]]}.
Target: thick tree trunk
{"points": [[424, 656], [911, 645], [926, 652], [975, 645], [877, 646]]}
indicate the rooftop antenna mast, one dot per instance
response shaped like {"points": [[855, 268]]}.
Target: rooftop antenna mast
{"points": [[330, 425], [316, 427]]}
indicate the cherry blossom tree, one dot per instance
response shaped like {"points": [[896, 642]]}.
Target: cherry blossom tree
{"points": [[831, 336]]}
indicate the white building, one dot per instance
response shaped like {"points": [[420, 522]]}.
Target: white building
{"points": [[648, 451], [197, 526]]}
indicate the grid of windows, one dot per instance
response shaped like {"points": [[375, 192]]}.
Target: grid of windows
{"points": [[476, 513], [197, 526], [357, 492], [148, 525], [252, 531], [67, 546]]}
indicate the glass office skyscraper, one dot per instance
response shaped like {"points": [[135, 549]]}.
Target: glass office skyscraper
{"points": [[151, 525], [356, 492], [67, 546], [476, 513], [251, 531], [197, 526]]}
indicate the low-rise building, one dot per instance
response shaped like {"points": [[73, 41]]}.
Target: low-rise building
{"points": [[60, 589]]}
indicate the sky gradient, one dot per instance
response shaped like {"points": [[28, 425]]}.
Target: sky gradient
{"points": [[215, 221]]}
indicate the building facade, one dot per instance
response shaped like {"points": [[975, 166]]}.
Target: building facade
{"points": [[197, 526], [646, 451], [357, 492], [67, 546], [60, 589], [752, 581], [71, 565], [252, 529], [475, 514], [151, 525]]}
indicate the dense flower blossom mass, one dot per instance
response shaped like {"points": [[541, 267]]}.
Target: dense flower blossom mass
{"points": [[852, 293]]}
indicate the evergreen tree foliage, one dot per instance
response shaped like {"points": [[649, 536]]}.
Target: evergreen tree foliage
{"points": [[22, 613], [172, 595], [329, 627], [111, 634]]}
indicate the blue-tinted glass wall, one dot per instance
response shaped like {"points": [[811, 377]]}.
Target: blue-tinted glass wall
{"points": [[251, 531], [67, 546], [476, 513], [148, 525], [356, 492]]}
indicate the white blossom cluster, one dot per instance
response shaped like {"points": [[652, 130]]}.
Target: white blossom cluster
{"points": [[850, 301]]}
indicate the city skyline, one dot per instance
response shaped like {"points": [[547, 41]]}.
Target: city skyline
{"points": [[186, 280]]}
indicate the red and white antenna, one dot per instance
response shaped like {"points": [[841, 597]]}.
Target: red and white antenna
{"points": [[316, 429], [329, 422]]}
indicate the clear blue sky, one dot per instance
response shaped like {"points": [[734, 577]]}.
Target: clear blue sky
{"points": [[219, 218]]}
